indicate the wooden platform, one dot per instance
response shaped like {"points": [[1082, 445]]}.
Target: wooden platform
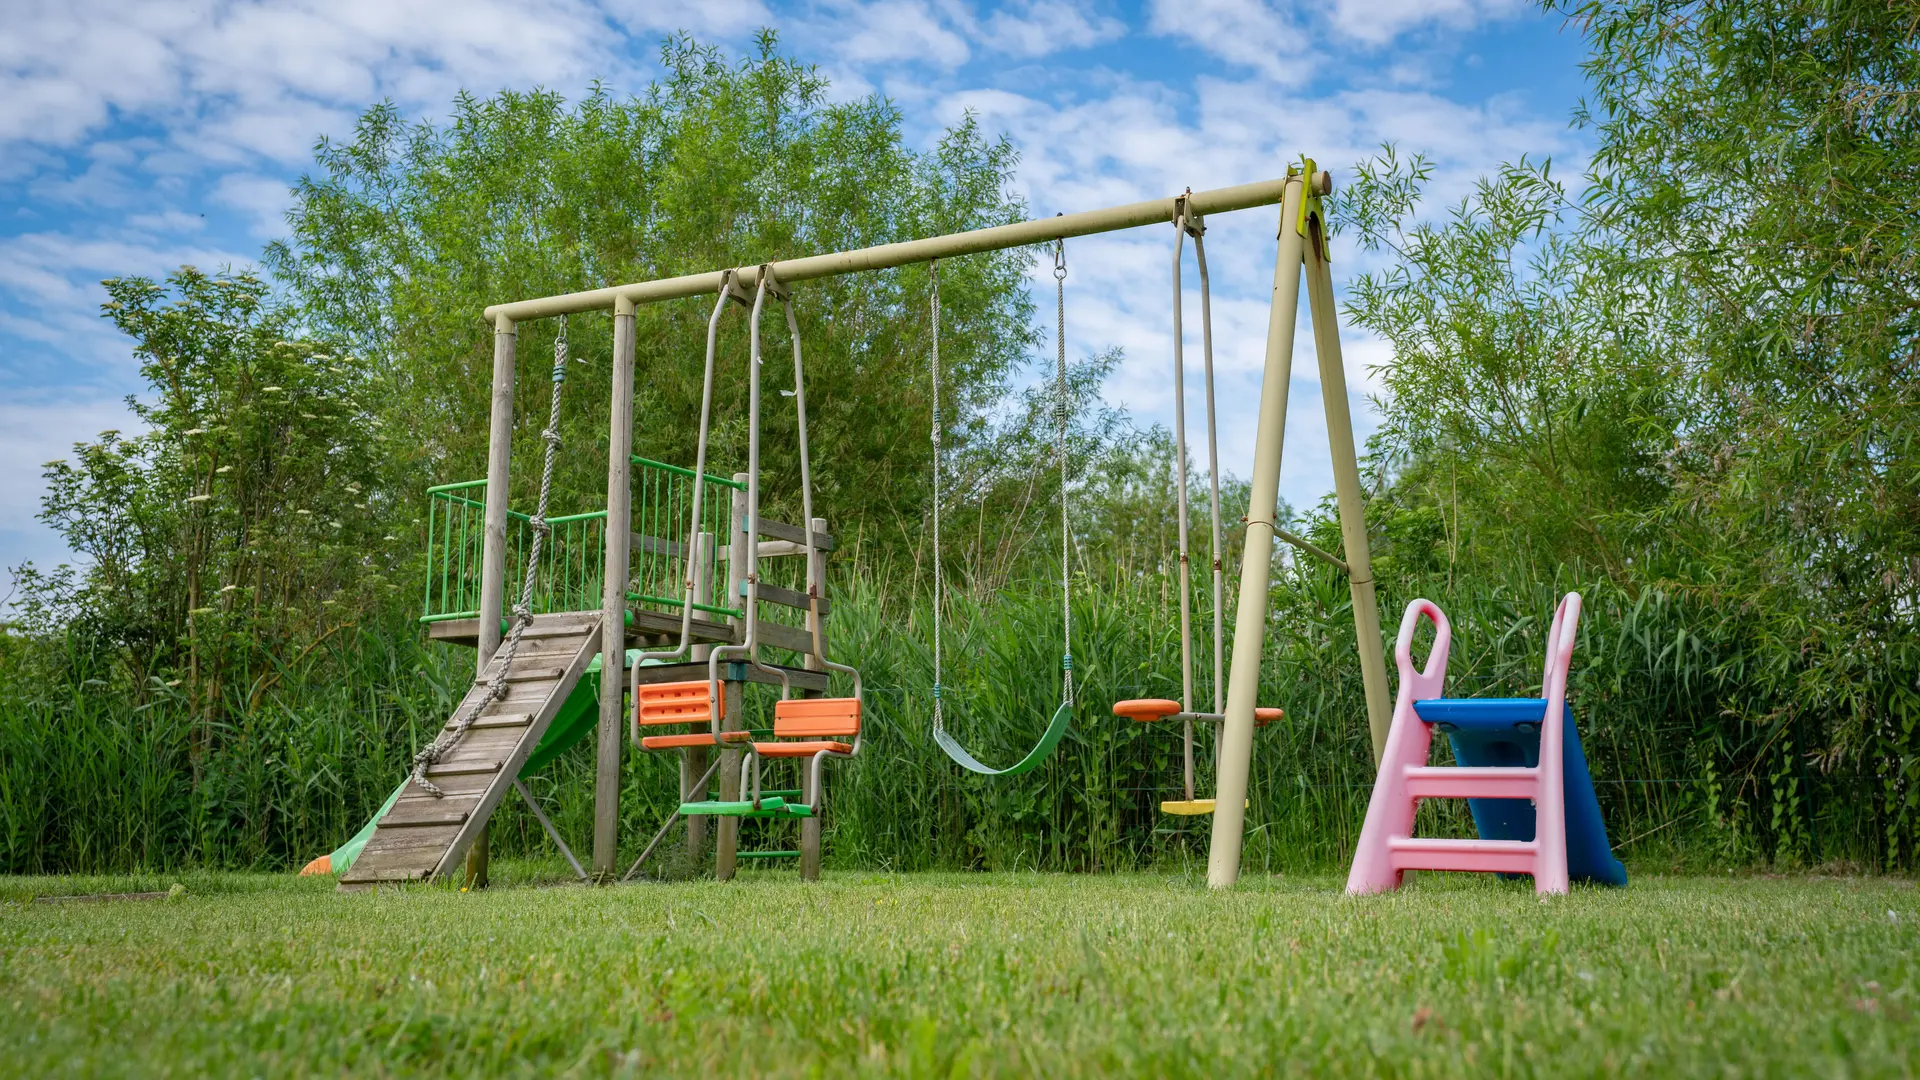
{"points": [[647, 627], [421, 835], [732, 671]]}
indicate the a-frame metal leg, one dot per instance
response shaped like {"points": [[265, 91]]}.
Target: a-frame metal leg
{"points": [[1250, 617], [1346, 486]]}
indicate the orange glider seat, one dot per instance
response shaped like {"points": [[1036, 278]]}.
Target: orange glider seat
{"points": [[809, 719], [696, 738], [678, 703], [800, 749]]}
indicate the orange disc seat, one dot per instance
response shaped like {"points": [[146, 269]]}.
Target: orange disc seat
{"points": [[1146, 710]]}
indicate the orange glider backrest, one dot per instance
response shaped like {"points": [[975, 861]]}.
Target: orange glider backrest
{"points": [[803, 718], [677, 703]]}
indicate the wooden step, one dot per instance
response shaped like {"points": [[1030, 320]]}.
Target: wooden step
{"points": [[501, 720], [422, 836], [476, 767]]}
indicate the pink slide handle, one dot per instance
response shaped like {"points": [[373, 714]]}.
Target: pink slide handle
{"points": [[1561, 635], [1550, 817], [1417, 684]]}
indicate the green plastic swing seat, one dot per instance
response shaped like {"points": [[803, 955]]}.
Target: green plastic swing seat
{"points": [[1056, 729]]}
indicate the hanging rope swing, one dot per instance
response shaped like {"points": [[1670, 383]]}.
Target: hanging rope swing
{"points": [[1063, 716]]}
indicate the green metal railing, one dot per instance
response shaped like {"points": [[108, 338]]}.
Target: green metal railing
{"points": [[569, 575]]}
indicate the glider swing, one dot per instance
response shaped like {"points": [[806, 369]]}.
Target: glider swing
{"points": [[1147, 710], [1063, 716]]}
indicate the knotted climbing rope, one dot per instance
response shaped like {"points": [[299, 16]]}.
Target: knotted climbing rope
{"points": [[496, 686]]}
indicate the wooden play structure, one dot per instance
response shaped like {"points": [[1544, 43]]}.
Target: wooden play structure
{"points": [[680, 598]]}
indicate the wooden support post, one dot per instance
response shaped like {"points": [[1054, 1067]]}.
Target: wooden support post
{"points": [[613, 604], [493, 537], [817, 578], [810, 826], [726, 844], [1256, 559], [1346, 486], [478, 857]]}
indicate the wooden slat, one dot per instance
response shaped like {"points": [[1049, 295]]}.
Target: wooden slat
{"points": [[421, 846], [485, 744], [444, 769], [499, 720], [429, 811], [732, 672], [653, 545], [774, 594], [791, 638], [459, 783], [571, 624], [793, 534], [705, 628]]}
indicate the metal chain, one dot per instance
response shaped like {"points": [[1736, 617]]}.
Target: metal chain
{"points": [[1066, 540], [496, 687], [939, 590]]}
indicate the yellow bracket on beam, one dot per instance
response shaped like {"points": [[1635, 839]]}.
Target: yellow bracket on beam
{"points": [[1310, 205]]}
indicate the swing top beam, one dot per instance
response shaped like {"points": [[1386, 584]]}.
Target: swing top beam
{"points": [[887, 256]]}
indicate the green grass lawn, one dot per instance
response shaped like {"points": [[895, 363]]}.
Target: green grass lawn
{"points": [[957, 975]]}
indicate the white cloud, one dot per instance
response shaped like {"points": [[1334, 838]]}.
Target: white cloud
{"points": [[1378, 22], [1038, 28], [260, 77], [1266, 38], [890, 31], [724, 18], [263, 199]]}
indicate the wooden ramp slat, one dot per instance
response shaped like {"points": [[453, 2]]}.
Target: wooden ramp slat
{"points": [[420, 836]]}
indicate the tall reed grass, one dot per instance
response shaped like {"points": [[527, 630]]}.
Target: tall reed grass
{"points": [[99, 776]]}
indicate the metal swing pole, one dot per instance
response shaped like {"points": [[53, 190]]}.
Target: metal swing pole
{"points": [[1180, 500]]}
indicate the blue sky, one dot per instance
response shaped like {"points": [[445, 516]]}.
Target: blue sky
{"points": [[136, 137]]}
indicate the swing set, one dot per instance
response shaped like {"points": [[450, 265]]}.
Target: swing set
{"points": [[676, 610]]}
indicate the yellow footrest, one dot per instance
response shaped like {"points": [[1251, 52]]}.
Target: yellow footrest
{"points": [[1192, 808]]}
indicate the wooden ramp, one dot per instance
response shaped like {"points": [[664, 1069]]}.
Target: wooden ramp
{"points": [[422, 836]]}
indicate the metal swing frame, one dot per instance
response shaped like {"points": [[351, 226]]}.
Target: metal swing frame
{"points": [[1302, 245]]}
